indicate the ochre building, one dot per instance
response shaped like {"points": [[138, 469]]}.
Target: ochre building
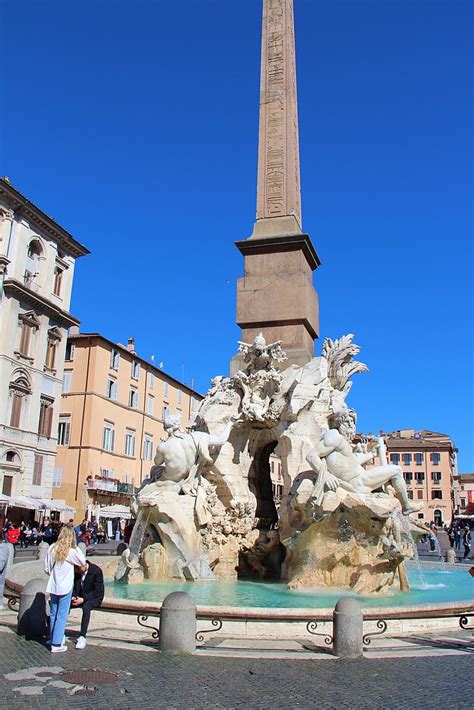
{"points": [[428, 461], [112, 411]]}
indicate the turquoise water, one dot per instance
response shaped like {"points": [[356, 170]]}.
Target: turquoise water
{"points": [[438, 585]]}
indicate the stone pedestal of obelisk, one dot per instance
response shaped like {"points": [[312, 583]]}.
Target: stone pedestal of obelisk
{"points": [[276, 295]]}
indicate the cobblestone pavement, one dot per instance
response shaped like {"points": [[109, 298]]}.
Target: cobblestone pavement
{"points": [[30, 677]]}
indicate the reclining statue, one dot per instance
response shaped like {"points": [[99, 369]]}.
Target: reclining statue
{"points": [[338, 464], [180, 458]]}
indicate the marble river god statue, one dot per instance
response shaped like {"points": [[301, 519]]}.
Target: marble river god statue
{"points": [[208, 508]]}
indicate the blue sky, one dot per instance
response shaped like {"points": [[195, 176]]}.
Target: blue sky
{"points": [[135, 126]]}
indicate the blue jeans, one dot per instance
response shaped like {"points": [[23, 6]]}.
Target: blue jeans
{"points": [[59, 605]]}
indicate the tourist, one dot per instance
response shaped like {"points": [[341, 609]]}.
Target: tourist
{"points": [[451, 536], [88, 595], [59, 564], [5, 529], [13, 535], [457, 537], [466, 541]]}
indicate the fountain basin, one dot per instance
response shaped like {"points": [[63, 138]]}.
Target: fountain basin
{"points": [[234, 603]]}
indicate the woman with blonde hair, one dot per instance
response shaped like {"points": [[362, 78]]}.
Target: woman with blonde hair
{"points": [[59, 564]]}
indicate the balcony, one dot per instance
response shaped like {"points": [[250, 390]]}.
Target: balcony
{"points": [[109, 486]]}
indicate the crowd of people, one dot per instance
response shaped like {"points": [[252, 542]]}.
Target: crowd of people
{"points": [[460, 534], [28, 534]]}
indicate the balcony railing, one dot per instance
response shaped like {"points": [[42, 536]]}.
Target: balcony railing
{"points": [[108, 486]]}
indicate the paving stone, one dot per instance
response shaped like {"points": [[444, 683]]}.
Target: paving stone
{"points": [[156, 680]]}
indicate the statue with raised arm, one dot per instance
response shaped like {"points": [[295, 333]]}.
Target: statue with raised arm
{"points": [[180, 458], [338, 464]]}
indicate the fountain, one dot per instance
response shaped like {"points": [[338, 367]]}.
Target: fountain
{"points": [[208, 503]]}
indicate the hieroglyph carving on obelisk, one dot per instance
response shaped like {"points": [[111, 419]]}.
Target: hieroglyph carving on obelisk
{"points": [[278, 189]]}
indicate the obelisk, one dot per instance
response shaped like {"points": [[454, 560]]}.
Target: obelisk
{"points": [[276, 294]]}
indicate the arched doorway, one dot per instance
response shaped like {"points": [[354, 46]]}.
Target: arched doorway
{"points": [[438, 518]]}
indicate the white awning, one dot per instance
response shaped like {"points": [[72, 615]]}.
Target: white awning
{"points": [[38, 504], [22, 502], [114, 511]]}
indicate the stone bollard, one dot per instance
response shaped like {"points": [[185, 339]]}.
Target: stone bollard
{"points": [[450, 555], [82, 547], [178, 623], [33, 621], [43, 548], [347, 624]]}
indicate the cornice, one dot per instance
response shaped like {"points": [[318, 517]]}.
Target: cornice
{"points": [[269, 245], [15, 288], [47, 224]]}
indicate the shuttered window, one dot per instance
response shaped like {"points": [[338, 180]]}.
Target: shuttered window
{"points": [[15, 416], [38, 470]]}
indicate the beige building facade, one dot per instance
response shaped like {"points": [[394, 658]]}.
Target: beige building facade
{"points": [[112, 411], [37, 259], [464, 494], [428, 461]]}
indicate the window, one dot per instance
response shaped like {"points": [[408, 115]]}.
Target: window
{"points": [[57, 476], [421, 516], [11, 457], [114, 359], [166, 411], [180, 396], [135, 370], [37, 470], [15, 415], [25, 338], [410, 495], [149, 405], [419, 476], [58, 279], [436, 476], [408, 476], [129, 443], [463, 502], [133, 398], [67, 382], [111, 389], [34, 250], [166, 388], [406, 458], [436, 495], [54, 337], [148, 448], [51, 354], [151, 381], [419, 495], [108, 437], [435, 459], [395, 459], [64, 431], [70, 350], [46, 417], [18, 390], [418, 459], [7, 485]]}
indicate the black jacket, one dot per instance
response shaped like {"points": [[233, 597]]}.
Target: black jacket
{"points": [[93, 588]]}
